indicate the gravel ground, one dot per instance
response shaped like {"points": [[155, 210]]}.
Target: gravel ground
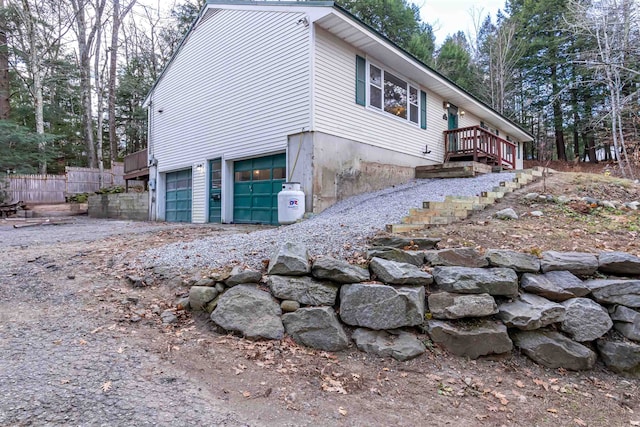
{"points": [[66, 359], [340, 231], [78, 229]]}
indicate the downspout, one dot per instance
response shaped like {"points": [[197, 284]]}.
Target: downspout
{"points": [[153, 169]]}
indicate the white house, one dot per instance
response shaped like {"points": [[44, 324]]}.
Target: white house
{"points": [[263, 92]]}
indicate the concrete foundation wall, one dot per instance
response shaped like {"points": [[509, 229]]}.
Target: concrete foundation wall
{"points": [[331, 168], [134, 206]]}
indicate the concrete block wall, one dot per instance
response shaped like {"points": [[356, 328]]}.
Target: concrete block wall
{"points": [[134, 206]]}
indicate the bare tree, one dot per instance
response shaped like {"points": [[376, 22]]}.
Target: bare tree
{"points": [[118, 16], [5, 107], [86, 35], [610, 24], [39, 28]]}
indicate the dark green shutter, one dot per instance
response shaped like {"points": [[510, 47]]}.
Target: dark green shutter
{"points": [[361, 80], [423, 109]]}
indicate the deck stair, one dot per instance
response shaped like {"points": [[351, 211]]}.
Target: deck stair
{"points": [[457, 208], [452, 170]]}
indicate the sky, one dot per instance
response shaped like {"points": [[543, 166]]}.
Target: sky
{"points": [[445, 16], [450, 16]]}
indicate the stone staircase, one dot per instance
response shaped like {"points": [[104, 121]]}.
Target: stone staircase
{"points": [[456, 208]]}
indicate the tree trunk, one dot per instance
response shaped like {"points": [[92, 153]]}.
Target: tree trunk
{"points": [[99, 103], [113, 61], [557, 116], [5, 107], [85, 42]]}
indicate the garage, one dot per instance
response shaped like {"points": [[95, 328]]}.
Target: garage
{"points": [[178, 196], [256, 185]]}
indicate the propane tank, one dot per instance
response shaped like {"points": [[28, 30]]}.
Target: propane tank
{"points": [[290, 203]]}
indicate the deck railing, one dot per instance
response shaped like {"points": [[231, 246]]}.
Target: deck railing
{"points": [[136, 164], [480, 145]]}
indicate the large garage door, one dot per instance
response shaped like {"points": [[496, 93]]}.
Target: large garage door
{"points": [[256, 185], [178, 197]]}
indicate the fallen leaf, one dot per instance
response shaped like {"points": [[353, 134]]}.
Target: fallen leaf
{"points": [[579, 422], [519, 384], [82, 342], [541, 383], [106, 386], [246, 393], [120, 350], [634, 423], [552, 410], [342, 411], [329, 384], [492, 408], [481, 417]]}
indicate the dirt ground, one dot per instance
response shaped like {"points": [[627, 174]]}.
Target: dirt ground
{"points": [[71, 297]]}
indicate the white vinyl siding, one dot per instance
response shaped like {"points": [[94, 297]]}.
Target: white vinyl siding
{"points": [[199, 194], [237, 88], [336, 112]]}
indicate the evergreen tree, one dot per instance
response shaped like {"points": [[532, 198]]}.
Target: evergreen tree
{"points": [[397, 20], [454, 61]]}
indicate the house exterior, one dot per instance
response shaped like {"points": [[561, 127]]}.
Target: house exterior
{"points": [[263, 92]]}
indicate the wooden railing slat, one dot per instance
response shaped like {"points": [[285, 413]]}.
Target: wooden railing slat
{"points": [[474, 140]]}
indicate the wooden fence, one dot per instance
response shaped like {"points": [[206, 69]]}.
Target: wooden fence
{"points": [[54, 188]]}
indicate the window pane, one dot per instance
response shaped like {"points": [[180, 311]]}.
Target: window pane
{"points": [[243, 176], [261, 174], [375, 97], [413, 95], [279, 173], [413, 109], [375, 76], [395, 95]]}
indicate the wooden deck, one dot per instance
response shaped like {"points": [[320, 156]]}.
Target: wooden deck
{"points": [[136, 165], [479, 145]]}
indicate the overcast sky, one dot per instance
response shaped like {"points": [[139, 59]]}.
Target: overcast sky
{"points": [[446, 16], [450, 16]]}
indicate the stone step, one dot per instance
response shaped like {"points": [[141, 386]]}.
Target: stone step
{"points": [[493, 194], [455, 199], [453, 172], [510, 184], [524, 178], [457, 205], [404, 228], [453, 211], [424, 218], [537, 171], [442, 220]]}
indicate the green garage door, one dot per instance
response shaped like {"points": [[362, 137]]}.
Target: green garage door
{"points": [[256, 185], [178, 197]]}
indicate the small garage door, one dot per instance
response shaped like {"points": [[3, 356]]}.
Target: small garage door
{"points": [[178, 197], [256, 185]]}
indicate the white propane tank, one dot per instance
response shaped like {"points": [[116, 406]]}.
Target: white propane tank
{"points": [[290, 203]]}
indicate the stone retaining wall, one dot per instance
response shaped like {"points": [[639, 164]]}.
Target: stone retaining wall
{"points": [[133, 206], [562, 309]]}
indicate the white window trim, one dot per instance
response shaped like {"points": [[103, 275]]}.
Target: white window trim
{"points": [[410, 84]]}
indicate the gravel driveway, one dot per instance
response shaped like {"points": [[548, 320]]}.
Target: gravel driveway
{"points": [[340, 230], [66, 355], [69, 356]]}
